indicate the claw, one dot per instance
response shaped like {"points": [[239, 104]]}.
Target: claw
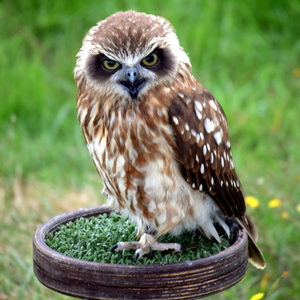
{"points": [[183, 249], [136, 257], [114, 247], [147, 243]]}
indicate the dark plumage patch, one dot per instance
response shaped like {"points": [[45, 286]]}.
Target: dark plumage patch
{"points": [[166, 63], [96, 70], [200, 159]]}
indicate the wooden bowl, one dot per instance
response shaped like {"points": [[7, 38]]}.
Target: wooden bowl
{"points": [[191, 279]]}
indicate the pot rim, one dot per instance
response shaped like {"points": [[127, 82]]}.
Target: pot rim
{"points": [[52, 225]]}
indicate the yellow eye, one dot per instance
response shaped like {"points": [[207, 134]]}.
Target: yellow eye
{"points": [[110, 64], [151, 59]]}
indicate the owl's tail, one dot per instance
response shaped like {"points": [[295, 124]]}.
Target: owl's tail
{"points": [[255, 255]]}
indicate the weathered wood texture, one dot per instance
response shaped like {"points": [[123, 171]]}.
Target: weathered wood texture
{"points": [[192, 279]]}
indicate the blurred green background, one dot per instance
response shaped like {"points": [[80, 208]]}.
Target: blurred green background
{"points": [[247, 53]]}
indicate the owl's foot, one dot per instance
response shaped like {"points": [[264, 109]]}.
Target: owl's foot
{"points": [[146, 243]]}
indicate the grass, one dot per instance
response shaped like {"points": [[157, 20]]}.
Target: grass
{"points": [[246, 53], [90, 239]]}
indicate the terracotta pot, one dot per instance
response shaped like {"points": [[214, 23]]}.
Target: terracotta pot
{"points": [[90, 280]]}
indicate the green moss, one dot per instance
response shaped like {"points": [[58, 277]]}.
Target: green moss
{"points": [[90, 239]]}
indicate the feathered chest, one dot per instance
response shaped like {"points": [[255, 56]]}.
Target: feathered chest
{"points": [[126, 144]]}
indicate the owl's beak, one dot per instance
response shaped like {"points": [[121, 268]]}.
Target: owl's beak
{"points": [[133, 83]]}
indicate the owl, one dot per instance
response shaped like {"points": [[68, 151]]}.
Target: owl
{"points": [[159, 139]]}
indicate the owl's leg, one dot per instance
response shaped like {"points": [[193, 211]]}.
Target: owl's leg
{"points": [[146, 243]]}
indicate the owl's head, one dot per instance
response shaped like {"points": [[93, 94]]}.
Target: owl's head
{"points": [[129, 53]]}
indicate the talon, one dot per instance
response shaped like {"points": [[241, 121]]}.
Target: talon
{"points": [[114, 247], [136, 257], [145, 245], [183, 249], [140, 252]]}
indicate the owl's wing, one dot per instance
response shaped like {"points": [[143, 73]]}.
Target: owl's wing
{"points": [[203, 148]]}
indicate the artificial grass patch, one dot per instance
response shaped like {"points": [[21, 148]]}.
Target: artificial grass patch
{"points": [[91, 238]]}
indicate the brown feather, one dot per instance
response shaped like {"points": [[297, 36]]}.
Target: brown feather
{"points": [[213, 162], [255, 255], [204, 153]]}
